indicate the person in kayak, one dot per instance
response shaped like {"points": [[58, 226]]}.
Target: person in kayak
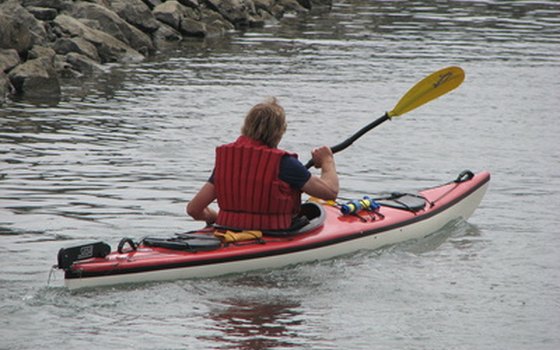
{"points": [[257, 185]]}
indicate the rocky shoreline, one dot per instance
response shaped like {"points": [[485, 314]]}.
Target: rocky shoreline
{"points": [[42, 41]]}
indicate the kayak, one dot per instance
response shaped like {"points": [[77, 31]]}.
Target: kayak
{"points": [[326, 230]]}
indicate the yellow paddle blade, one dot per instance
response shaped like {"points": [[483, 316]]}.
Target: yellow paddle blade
{"points": [[429, 88]]}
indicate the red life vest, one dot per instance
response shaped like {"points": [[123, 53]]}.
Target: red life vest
{"points": [[248, 188]]}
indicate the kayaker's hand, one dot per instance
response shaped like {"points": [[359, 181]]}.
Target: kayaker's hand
{"points": [[210, 216], [321, 156], [326, 186]]}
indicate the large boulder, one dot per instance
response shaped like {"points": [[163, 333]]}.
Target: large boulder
{"points": [[36, 78], [170, 13], [20, 15], [192, 27], [109, 48], [14, 34], [9, 58], [108, 21], [241, 13], [39, 51], [78, 45], [83, 64], [137, 13], [216, 24], [192, 23]]}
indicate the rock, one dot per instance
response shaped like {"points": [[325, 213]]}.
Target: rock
{"points": [[194, 22], [35, 78], [217, 28], [43, 13], [191, 24], [82, 63], [239, 12], [166, 34], [265, 5], [137, 13], [190, 3], [191, 27], [152, 3], [307, 4], [5, 87], [25, 18], [41, 52], [216, 24], [58, 5], [9, 58], [170, 13], [292, 6], [14, 34], [283, 6], [79, 45], [109, 48], [65, 69], [103, 19]]}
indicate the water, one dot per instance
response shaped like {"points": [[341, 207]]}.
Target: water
{"points": [[121, 153]]}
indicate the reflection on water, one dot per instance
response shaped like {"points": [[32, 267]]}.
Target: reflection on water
{"points": [[250, 324], [120, 153]]}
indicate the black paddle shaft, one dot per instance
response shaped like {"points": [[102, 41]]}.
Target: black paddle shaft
{"points": [[346, 143]]}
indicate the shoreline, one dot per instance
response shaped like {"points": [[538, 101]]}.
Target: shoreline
{"points": [[42, 41]]}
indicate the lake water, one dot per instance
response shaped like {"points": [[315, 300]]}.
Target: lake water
{"points": [[121, 153]]}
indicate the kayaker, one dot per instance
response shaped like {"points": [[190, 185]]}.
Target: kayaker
{"points": [[257, 185]]}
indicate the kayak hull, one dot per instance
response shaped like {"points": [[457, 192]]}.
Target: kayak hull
{"points": [[339, 235]]}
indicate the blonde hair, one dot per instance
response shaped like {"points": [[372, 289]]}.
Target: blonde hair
{"points": [[265, 122]]}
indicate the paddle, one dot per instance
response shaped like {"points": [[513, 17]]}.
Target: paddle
{"points": [[427, 89]]}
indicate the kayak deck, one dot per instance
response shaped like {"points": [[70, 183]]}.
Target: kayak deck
{"points": [[338, 234]]}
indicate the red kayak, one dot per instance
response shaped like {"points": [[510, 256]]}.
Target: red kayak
{"points": [[324, 230]]}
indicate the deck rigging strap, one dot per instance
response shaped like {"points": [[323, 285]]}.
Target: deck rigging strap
{"points": [[129, 241], [193, 242], [465, 175], [406, 201]]}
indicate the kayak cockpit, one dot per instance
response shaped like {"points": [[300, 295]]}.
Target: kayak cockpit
{"points": [[311, 216]]}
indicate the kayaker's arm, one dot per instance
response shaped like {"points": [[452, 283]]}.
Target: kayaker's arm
{"points": [[198, 208], [324, 187]]}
